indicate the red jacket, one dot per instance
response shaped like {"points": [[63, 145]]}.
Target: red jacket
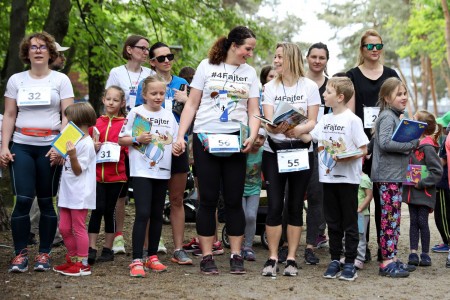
{"points": [[109, 129]]}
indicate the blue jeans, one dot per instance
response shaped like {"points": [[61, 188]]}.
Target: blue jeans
{"points": [[31, 176]]}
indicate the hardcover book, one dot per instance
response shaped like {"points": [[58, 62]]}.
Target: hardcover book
{"points": [[140, 125], [415, 173], [408, 130], [70, 133], [348, 154]]}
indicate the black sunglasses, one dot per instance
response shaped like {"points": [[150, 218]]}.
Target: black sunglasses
{"points": [[162, 58], [371, 46], [142, 48]]}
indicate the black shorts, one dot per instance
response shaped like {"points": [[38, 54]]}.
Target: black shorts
{"points": [[180, 164]]}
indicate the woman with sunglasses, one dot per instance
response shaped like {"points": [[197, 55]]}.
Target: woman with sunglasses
{"points": [[224, 93], [161, 60], [367, 78], [34, 104], [127, 76]]}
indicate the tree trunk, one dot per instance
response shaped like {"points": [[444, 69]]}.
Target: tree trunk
{"points": [[424, 81], [4, 217], [17, 20], [447, 28], [432, 86], [57, 23], [414, 84]]}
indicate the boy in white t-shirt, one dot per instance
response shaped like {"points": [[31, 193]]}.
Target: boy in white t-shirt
{"points": [[340, 132]]}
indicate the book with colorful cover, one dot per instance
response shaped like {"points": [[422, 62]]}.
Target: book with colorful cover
{"points": [[70, 133], [408, 130], [140, 125], [244, 133], [415, 173], [349, 154], [95, 134], [285, 112]]}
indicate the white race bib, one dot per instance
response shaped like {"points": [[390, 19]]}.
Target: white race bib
{"points": [[292, 160], [223, 143], [370, 116], [34, 95], [109, 152], [132, 99], [168, 104]]}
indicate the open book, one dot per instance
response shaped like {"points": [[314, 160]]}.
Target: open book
{"points": [[348, 154], [408, 130], [285, 112], [70, 133]]}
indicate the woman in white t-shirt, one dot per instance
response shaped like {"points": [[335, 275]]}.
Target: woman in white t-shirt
{"points": [[290, 86], [224, 94], [34, 104], [127, 76]]}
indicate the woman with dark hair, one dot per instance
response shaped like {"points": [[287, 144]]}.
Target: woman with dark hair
{"points": [[224, 94], [127, 76], [267, 74], [35, 101]]}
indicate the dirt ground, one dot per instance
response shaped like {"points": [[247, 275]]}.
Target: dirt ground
{"points": [[112, 281]]}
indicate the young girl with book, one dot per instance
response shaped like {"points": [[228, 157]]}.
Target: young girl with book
{"points": [[421, 197], [111, 174], [149, 132], [390, 160], [77, 192]]}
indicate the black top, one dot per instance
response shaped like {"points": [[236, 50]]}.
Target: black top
{"points": [[322, 89]]}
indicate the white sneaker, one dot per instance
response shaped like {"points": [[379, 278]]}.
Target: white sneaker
{"points": [[119, 245], [161, 247]]}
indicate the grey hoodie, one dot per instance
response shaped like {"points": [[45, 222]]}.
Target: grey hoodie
{"points": [[389, 159]]}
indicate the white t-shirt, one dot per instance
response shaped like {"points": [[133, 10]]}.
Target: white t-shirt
{"points": [[127, 80], [39, 116], [303, 94], [156, 159], [339, 133], [240, 82], [79, 192]]}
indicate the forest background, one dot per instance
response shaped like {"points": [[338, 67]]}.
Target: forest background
{"points": [[417, 32]]}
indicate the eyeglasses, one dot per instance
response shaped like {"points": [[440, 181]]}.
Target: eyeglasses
{"points": [[142, 48], [162, 58], [371, 46], [42, 48]]}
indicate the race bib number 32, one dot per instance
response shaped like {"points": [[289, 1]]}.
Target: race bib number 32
{"points": [[33, 96]]}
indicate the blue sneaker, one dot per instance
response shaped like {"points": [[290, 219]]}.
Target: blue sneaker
{"points": [[425, 260], [413, 259], [19, 264], [348, 272], [333, 270], [42, 262], [440, 248], [393, 270]]}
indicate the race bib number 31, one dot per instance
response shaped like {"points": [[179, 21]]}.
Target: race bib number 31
{"points": [[109, 152], [223, 143], [292, 160]]}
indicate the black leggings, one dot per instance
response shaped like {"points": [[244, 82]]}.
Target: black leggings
{"points": [[276, 182], [149, 195], [107, 194], [211, 172], [418, 227], [442, 214]]}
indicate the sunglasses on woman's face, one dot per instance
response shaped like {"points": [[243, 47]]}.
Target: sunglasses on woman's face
{"points": [[371, 46], [162, 58]]}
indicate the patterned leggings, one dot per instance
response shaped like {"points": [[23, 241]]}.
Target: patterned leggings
{"points": [[391, 202]]}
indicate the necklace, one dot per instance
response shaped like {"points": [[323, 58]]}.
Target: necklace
{"points": [[284, 90], [226, 79], [132, 87]]}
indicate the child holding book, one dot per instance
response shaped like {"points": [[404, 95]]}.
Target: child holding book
{"points": [[77, 192], [337, 133], [421, 197], [252, 189], [149, 132], [111, 174], [389, 162]]}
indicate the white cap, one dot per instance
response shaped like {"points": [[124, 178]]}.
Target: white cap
{"points": [[59, 48], [262, 132]]}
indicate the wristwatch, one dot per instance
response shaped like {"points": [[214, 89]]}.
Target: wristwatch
{"points": [[135, 141]]}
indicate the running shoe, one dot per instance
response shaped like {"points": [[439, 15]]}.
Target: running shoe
{"points": [[270, 268], [333, 270], [161, 247], [393, 270], [348, 272], [217, 248], [137, 268], [19, 264], [310, 257], [359, 265], [282, 254], [237, 264], [42, 262], [248, 254], [440, 248], [92, 256], [181, 257], [413, 259], [321, 241], [62, 267], [77, 269], [425, 260], [153, 263], [119, 245], [291, 268], [107, 255], [208, 265], [192, 245]]}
